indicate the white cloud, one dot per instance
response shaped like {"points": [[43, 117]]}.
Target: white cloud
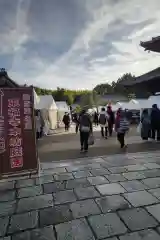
{"points": [[106, 47]]}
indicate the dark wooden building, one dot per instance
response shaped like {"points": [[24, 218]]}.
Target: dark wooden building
{"points": [[5, 81], [148, 83], [152, 45]]}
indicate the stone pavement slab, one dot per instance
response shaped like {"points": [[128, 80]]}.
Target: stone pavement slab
{"points": [[99, 172], [44, 179], [63, 176], [155, 192], [46, 233], [152, 165], [137, 219], [152, 182], [115, 178], [6, 196], [133, 185], [5, 238], [7, 208], [55, 215], [53, 187], [4, 222], [112, 203], [81, 182], [67, 196], [25, 183], [152, 173], [110, 189], [141, 198], [29, 191], [109, 198], [137, 167], [154, 211], [97, 180], [82, 174], [107, 225], [141, 235], [134, 175], [33, 203], [84, 208], [23, 221], [76, 229], [88, 192], [4, 186]]}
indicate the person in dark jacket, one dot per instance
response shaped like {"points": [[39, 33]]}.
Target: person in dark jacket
{"points": [[155, 122], [146, 125], [66, 121], [95, 119], [85, 127], [103, 121], [111, 120]]}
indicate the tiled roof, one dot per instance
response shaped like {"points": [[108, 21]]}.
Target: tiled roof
{"points": [[5, 81], [152, 45], [144, 78]]}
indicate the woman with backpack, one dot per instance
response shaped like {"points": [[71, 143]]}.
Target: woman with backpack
{"points": [[121, 127], [103, 121]]}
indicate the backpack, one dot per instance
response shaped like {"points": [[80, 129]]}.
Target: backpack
{"points": [[124, 125], [102, 119], [85, 123]]}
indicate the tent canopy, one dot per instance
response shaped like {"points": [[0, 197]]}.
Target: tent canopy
{"points": [[62, 106], [36, 98], [46, 102]]}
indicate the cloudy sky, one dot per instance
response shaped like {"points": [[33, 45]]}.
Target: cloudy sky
{"points": [[76, 43]]}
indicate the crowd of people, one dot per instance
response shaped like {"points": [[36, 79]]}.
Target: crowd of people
{"points": [[106, 119], [150, 123], [149, 126]]}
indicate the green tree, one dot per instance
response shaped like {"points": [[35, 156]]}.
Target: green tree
{"points": [[87, 100], [69, 98], [103, 89]]}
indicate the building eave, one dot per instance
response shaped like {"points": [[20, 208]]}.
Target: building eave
{"points": [[152, 45]]}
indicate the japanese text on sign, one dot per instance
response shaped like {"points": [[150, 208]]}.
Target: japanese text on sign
{"points": [[2, 138], [14, 133], [27, 112]]}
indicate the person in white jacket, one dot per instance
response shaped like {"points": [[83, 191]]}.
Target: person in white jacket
{"points": [[103, 121], [38, 125]]}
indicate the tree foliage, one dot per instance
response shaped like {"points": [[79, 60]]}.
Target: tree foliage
{"points": [[89, 98]]}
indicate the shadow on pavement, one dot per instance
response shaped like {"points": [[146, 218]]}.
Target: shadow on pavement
{"points": [[53, 155]]}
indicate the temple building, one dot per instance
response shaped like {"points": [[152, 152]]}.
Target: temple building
{"points": [[150, 81], [5, 81]]}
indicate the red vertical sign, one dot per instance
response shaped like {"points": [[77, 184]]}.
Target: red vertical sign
{"points": [[17, 133]]}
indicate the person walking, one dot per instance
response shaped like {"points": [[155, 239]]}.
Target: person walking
{"points": [[103, 121], [85, 127], [66, 121], [155, 122], [111, 120], [38, 124], [145, 125], [95, 120], [121, 127]]}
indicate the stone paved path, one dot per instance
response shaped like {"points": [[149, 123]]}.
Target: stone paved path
{"points": [[115, 198]]}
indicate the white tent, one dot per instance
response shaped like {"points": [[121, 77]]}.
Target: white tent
{"points": [[123, 105], [62, 106], [140, 103], [36, 98], [48, 109], [154, 100]]}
